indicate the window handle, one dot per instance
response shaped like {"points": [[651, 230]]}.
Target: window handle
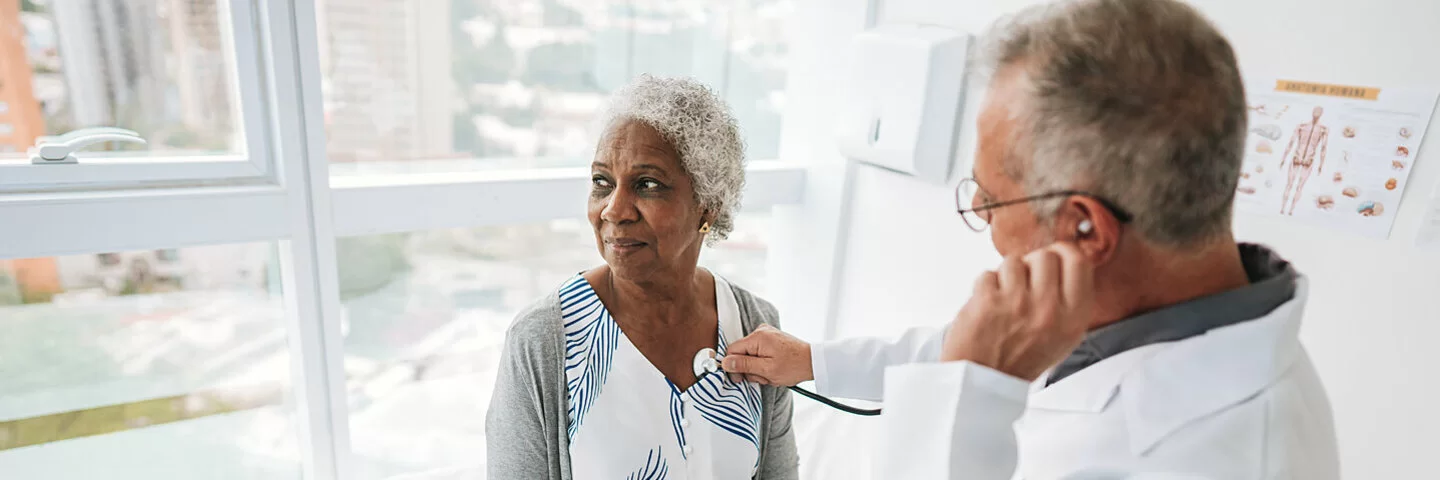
{"points": [[61, 149]]}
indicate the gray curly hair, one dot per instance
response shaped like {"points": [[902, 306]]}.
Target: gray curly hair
{"points": [[699, 125]]}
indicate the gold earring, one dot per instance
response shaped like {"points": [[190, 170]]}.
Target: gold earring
{"points": [[705, 228]]}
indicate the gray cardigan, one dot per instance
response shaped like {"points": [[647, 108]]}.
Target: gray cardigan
{"points": [[526, 427]]}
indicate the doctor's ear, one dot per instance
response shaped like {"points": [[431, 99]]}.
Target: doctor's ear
{"points": [[1090, 226]]}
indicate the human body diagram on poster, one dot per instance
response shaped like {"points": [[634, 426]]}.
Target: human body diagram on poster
{"points": [[1331, 155]]}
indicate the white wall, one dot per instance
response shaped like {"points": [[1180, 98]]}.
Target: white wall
{"points": [[1373, 304]]}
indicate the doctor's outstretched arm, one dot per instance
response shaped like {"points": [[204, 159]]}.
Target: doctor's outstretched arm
{"points": [[855, 367], [845, 368]]}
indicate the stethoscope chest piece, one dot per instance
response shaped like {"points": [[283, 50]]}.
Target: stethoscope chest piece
{"points": [[706, 362]]}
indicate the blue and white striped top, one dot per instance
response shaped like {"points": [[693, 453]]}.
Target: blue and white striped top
{"points": [[628, 421]]}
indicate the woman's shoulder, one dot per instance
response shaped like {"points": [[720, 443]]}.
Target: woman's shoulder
{"points": [[538, 317], [538, 326]]}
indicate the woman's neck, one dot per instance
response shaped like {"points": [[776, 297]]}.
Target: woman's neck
{"points": [[664, 297]]}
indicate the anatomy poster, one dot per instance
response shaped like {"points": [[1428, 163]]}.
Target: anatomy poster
{"points": [[1331, 155]]}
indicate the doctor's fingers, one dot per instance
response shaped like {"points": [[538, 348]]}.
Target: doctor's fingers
{"points": [[1014, 275], [1045, 275], [1077, 275], [987, 284], [757, 343], [739, 364]]}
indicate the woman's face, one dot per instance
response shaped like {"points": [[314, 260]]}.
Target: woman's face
{"points": [[642, 204]]}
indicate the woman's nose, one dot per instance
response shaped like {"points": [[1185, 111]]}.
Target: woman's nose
{"points": [[620, 207]]}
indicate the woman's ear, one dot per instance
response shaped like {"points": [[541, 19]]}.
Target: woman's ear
{"points": [[707, 221]]}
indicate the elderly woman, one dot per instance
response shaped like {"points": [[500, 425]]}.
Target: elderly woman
{"points": [[596, 379]]}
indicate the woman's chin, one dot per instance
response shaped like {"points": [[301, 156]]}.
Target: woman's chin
{"points": [[624, 259]]}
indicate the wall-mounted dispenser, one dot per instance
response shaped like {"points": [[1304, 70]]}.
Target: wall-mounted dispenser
{"points": [[906, 92]]}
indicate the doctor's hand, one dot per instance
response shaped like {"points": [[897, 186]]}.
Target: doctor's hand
{"points": [[770, 357], [1027, 316]]}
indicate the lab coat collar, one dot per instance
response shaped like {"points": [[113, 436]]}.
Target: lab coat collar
{"points": [[1089, 390], [1272, 283], [1199, 376], [1156, 385]]}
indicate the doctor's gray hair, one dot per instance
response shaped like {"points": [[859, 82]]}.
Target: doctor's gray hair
{"points": [[699, 125], [1137, 101]]}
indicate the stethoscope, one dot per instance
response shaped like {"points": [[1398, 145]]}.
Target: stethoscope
{"points": [[708, 362]]}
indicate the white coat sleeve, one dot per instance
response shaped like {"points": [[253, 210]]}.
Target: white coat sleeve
{"points": [[948, 421], [855, 367]]}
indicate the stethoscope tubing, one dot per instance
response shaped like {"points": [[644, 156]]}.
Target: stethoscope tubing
{"points": [[864, 412], [706, 363]]}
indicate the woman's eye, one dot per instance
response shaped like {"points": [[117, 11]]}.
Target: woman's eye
{"points": [[649, 184], [600, 182]]}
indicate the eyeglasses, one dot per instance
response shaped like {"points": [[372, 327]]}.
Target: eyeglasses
{"points": [[977, 216]]}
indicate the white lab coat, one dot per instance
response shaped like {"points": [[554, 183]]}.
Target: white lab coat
{"points": [[1239, 402]]}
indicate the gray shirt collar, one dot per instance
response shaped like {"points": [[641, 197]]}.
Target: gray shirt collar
{"points": [[1272, 283]]}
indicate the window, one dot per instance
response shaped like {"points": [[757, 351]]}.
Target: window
{"points": [[183, 75], [425, 319], [262, 297], [160, 68], [145, 370], [463, 85]]}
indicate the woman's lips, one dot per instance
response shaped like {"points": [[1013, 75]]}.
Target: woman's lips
{"points": [[625, 245]]}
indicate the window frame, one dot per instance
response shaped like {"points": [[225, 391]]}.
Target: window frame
{"points": [[241, 37]]}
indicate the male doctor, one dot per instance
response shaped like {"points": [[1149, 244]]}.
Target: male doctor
{"points": [[1127, 334]]}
